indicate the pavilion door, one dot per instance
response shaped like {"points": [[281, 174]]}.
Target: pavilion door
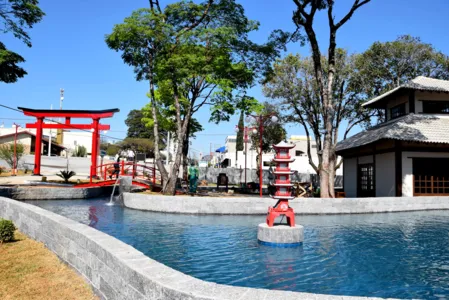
{"points": [[365, 181], [430, 176]]}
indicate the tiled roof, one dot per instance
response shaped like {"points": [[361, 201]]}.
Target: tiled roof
{"points": [[412, 127], [420, 83], [26, 132], [284, 144]]}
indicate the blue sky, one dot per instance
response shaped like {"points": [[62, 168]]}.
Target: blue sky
{"points": [[69, 52]]}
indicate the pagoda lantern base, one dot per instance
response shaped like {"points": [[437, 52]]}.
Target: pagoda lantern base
{"points": [[280, 235]]}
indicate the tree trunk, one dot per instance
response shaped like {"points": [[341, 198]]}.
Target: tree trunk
{"points": [[185, 153], [332, 171], [182, 128]]}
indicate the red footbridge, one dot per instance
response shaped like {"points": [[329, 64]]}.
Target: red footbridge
{"points": [[142, 175]]}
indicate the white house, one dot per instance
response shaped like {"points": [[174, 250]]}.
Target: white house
{"points": [[408, 154], [299, 152], [70, 140]]}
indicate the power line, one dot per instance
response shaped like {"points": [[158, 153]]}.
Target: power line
{"points": [[104, 135]]}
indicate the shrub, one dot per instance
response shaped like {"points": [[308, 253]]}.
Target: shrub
{"points": [[80, 151], [66, 175], [6, 231], [7, 153]]}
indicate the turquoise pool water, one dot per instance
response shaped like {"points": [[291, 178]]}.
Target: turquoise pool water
{"points": [[399, 255]]}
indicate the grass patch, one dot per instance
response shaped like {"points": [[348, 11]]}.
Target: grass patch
{"points": [[28, 270], [19, 173]]}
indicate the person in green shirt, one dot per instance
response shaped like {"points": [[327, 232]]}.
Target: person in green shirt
{"points": [[193, 175]]}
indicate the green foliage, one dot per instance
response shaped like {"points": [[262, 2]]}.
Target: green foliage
{"points": [[294, 85], [208, 61], [112, 149], [193, 55], [9, 70], [273, 133], [137, 126], [385, 66], [17, 16], [7, 153], [7, 229], [138, 145], [66, 175], [239, 142], [80, 151]]}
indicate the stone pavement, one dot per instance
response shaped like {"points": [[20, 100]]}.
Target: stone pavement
{"points": [[31, 178]]}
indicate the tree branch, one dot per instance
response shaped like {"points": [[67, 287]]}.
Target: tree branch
{"points": [[354, 7], [195, 23]]}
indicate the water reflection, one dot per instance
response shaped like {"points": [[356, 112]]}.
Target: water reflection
{"points": [[401, 255]]}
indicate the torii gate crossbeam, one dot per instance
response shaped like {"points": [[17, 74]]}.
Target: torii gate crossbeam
{"points": [[95, 126]]}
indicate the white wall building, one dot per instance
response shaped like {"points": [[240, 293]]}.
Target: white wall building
{"points": [[71, 139], [299, 152]]}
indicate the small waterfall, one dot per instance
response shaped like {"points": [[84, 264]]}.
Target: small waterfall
{"points": [[111, 200]]}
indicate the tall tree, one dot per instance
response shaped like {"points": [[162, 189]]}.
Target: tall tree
{"points": [[239, 140], [17, 16], [385, 66], [303, 17], [137, 126], [198, 54], [294, 85], [272, 134]]}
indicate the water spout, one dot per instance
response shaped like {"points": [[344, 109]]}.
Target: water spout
{"points": [[111, 200]]}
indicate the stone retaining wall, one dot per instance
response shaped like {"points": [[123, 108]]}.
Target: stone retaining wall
{"points": [[259, 206], [236, 176], [118, 271], [52, 193]]}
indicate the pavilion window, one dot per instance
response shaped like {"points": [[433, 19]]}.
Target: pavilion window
{"points": [[436, 107], [397, 111]]}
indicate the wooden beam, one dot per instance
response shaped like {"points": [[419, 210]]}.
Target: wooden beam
{"points": [[68, 126], [411, 101], [398, 168]]}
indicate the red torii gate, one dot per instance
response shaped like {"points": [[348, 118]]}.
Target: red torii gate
{"points": [[95, 115]]}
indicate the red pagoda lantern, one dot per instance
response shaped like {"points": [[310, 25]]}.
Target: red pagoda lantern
{"points": [[283, 185]]}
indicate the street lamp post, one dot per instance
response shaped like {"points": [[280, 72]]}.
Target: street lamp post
{"points": [[14, 169], [259, 120], [245, 136]]}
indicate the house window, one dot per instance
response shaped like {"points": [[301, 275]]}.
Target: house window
{"points": [[299, 153], [430, 176], [397, 111], [436, 107], [366, 180]]}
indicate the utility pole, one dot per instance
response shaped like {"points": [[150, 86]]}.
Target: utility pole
{"points": [[14, 169], [59, 137], [49, 138], [61, 91]]}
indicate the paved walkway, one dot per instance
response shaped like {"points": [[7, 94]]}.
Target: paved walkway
{"points": [[31, 178]]}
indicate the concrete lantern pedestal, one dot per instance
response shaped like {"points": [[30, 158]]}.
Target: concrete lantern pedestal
{"points": [[280, 235]]}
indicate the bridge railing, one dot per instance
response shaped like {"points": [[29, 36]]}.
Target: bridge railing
{"points": [[136, 171]]}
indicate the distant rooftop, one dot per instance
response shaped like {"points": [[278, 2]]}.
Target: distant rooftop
{"points": [[420, 83]]}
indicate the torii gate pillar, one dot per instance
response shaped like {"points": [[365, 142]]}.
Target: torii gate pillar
{"points": [[95, 115]]}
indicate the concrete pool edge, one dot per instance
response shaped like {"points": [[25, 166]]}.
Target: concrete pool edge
{"points": [[116, 270], [259, 206], [32, 192]]}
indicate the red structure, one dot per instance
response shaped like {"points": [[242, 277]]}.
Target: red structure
{"points": [[142, 175], [95, 126], [283, 185], [261, 120]]}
